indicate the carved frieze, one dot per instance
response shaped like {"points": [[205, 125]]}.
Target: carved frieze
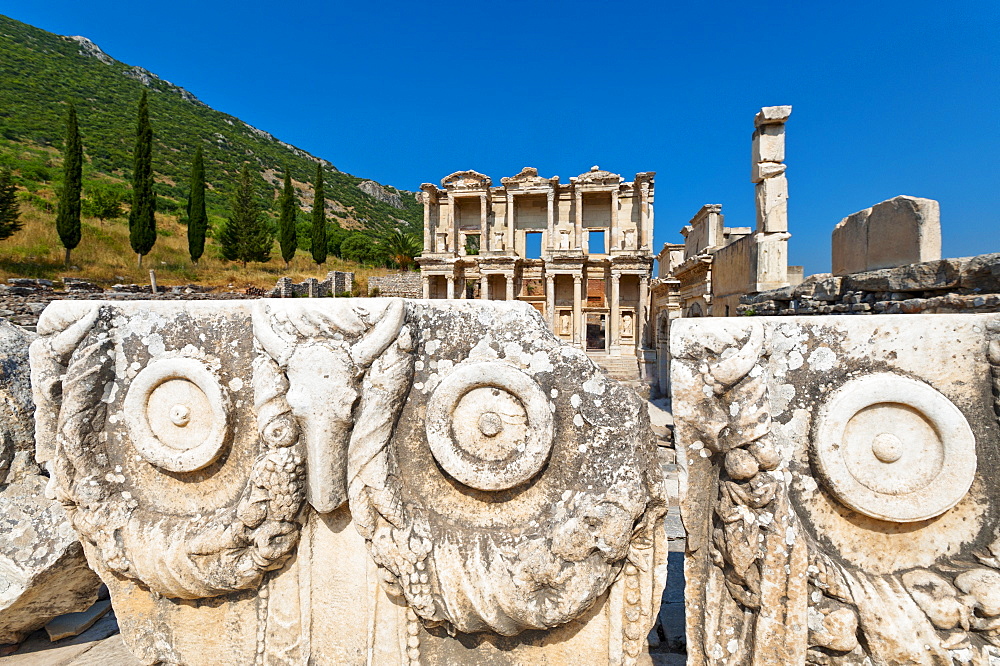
{"points": [[840, 504], [404, 471]]}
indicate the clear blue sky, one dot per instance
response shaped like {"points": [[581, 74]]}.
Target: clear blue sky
{"points": [[889, 97]]}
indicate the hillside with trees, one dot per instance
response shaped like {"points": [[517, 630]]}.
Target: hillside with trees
{"points": [[42, 75]]}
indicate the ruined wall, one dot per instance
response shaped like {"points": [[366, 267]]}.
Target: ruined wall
{"points": [[400, 285], [967, 284]]}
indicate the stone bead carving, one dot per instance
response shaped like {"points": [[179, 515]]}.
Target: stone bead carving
{"points": [[490, 426], [178, 414], [835, 508], [894, 448], [404, 471]]}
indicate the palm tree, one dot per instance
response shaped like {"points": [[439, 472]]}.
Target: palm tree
{"points": [[401, 247]]}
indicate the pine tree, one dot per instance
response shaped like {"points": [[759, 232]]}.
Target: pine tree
{"points": [[246, 235], [197, 217], [319, 218], [141, 219], [68, 211], [10, 214], [287, 235]]}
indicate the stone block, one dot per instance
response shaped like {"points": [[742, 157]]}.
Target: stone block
{"points": [[982, 273], [837, 468], [772, 204], [772, 115], [927, 276], [768, 144], [43, 572], [898, 231], [353, 481]]}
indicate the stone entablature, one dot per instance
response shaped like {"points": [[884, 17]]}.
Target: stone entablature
{"points": [[596, 233], [351, 481]]}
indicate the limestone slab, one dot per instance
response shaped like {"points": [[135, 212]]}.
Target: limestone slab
{"points": [[898, 231], [772, 115], [772, 204], [839, 497], [443, 482], [768, 144]]}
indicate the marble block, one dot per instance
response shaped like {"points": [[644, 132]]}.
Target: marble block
{"points": [[839, 490], [353, 481]]}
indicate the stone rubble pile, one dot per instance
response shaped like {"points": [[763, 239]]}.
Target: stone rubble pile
{"points": [[967, 284]]}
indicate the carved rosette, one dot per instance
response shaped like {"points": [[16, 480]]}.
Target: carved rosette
{"points": [[876, 542], [178, 408], [490, 429]]}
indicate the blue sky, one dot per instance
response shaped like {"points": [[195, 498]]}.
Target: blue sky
{"points": [[889, 97]]}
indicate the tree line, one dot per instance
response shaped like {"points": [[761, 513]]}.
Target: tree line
{"points": [[247, 234]]}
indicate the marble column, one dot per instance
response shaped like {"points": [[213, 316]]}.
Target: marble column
{"points": [[427, 222], [451, 286], [510, 286], [484, 217], [452, 224], [641, 315], [614, 326], [579, 338], [484, 287], [425, 282], [578, 220], [550, 234], [550, 300], [510, 224], [645, 223], [614, 242]]}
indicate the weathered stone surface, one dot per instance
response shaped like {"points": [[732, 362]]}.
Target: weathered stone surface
{"points": [[768, 144], [772, 204], [440, 482], [42, 569], [840, 500], [927, 276], [898, 231], [772, 115], [43, 572], [74, 624], [982, 273]]}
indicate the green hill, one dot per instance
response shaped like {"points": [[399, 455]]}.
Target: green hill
{"points": [[41, 71]]}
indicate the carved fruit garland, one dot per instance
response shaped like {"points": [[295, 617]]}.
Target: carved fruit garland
{"points": [[228, 550]]}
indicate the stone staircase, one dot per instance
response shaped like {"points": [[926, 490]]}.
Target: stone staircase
{"points": [[622, 368]]}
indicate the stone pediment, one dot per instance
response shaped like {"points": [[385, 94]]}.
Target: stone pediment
{"points": [[596, 176], [466, 180], [529, 178]]}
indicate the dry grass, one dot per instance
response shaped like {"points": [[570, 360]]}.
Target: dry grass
{"points": [[105, 257]]}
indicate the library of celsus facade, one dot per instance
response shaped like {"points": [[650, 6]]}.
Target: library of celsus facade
{"points": [[579, 252]]}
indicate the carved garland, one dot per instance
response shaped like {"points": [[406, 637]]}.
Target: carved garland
{"points": [[228, 550]]}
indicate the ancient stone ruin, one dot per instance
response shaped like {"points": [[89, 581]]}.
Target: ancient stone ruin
{"points": [[840, 500], [351, 481]]}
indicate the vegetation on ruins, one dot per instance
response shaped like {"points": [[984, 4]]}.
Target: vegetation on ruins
{"points": [[246, 235], [10, 214], [287, 236], [319, 248], [68, 210], [141, 220], [197, 216]]}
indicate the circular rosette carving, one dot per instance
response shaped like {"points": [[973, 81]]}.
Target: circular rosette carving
{"points": [[178, 414], [894, 448], [489, 426]]}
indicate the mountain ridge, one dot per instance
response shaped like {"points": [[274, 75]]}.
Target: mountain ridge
{"points": [[40, 71]]}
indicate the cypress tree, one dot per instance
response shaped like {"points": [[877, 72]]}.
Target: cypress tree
{"points": [[287, 235], [10, 213], [68, 212], [246, 235], [141, 219], [319, 218], [197, 217]]}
